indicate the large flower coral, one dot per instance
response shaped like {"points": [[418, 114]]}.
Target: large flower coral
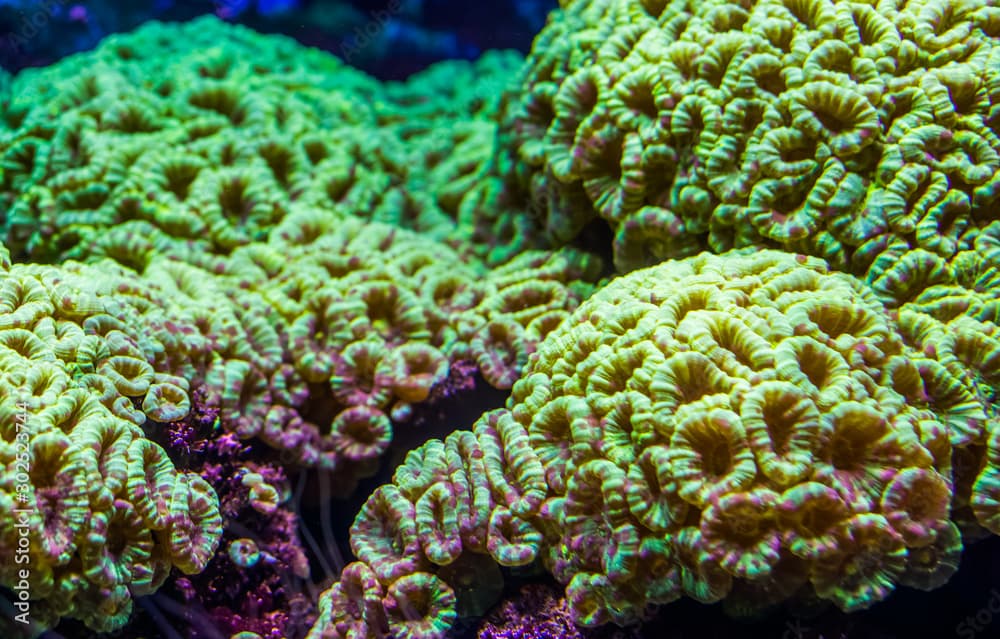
{"points": [[231, 182], [855, 132], [748, 426]]}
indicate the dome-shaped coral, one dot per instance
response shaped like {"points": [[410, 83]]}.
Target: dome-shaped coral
{"points": [[212, 134], [855, 132], [746, 424], [102, 511]]}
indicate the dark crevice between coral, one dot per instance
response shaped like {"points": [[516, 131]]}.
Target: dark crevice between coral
{"points": [[597, 238], [453, 405]]}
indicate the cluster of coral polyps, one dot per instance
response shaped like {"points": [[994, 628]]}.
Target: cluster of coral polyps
{"points": [[347, 325], [245, 212], [852, 131], [277, 253], [214, 133], [747, 427], [316, 343], [102, 514]]}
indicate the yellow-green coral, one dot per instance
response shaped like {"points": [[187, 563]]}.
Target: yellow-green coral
{"points": [[231, 181], [855, 132], [363, 320], [745, 427], [232, 132], [316, 342], [102, 512]]}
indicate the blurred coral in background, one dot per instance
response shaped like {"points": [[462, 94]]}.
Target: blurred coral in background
{"points": [[389, 38]]}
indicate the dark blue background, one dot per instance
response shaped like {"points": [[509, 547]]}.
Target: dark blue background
{"points": [[39, 32]]}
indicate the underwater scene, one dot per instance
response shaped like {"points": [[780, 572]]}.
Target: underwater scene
{"points": [[521, 319]]}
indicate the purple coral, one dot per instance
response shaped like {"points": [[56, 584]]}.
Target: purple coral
{"points": [[267, 596], [534, 613], [461, 379]]}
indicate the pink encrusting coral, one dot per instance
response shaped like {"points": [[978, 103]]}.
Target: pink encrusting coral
{"points": [[535, 612], [258, 580], [749, 427]]}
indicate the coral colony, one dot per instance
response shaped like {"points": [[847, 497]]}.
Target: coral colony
{"points": [[737, 264]]}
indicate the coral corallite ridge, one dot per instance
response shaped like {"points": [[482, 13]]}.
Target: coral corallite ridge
{"points": [[747, 428]]}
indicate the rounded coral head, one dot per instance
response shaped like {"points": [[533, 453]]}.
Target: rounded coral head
{"points": [[839, 129], [734, 427], [747, 428]]}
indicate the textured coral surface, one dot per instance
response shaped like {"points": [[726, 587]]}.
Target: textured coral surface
{"points": [[231, 264], [752, 428], [263, 234], [232, 132], [853, 131], [86, 360]]}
